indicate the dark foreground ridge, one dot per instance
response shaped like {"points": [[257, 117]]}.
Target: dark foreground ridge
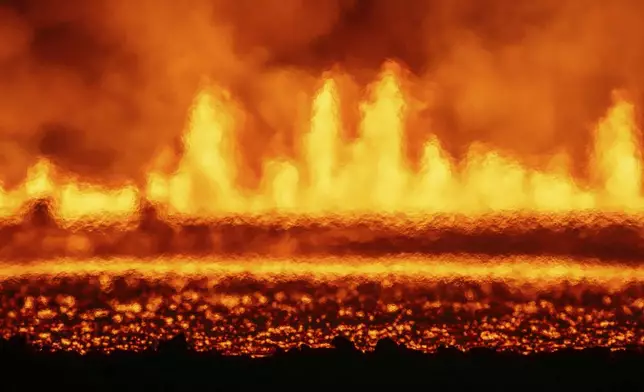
{"points": [[174, 366]]}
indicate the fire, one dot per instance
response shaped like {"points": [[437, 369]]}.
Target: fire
{"points": [[371, 175], [617, 159], [322, 147], [72, 201]]}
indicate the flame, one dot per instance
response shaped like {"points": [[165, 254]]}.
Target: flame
{"points": [[371, 175], [617, 157]]}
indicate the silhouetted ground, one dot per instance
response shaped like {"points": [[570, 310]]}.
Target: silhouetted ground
{"points": [[123, 310], [173, 366]]}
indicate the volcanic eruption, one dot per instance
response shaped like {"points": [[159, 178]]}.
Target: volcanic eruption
{"points": [[335, 179]]}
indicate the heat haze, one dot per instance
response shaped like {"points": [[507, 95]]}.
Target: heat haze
{"points": [[442, 172], [368, 175]]}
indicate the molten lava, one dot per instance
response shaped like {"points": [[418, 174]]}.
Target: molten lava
{"points": [[371, 175], [406, 252]]}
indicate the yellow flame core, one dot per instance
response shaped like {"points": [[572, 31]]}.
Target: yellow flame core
{"points": [[322, 149], [369, 175], [617, 157]]}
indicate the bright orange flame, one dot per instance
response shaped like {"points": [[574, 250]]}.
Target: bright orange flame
{"points": [[322, 148], [76, 203], [617, 157], [370, 175]]}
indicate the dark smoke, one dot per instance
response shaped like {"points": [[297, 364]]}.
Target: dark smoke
{"points": [[101, 86]]}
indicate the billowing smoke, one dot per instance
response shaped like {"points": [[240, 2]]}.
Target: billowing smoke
{"points": [[101, 86]]}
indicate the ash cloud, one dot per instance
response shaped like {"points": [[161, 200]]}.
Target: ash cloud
{"points": [[100, 87]]}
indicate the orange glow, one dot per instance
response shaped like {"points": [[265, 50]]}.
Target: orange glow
{"points": [[617, 157], [540, 272], [520, 304], [371, 175]]}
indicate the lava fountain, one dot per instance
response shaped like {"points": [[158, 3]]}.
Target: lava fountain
{"points": [[350, 235], [370, 175]]}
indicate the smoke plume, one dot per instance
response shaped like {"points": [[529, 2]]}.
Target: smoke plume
{"points": [[100, 87]]}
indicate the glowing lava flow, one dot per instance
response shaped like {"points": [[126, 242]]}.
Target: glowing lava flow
{"points": [[369, 176], [513, 304]]}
